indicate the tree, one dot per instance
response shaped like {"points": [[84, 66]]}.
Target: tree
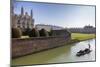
{"points": [[26, 31], [43, 32], [50, 32], [34, 33]]}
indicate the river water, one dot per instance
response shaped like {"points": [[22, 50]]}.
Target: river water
{"points": [[59, 55]]}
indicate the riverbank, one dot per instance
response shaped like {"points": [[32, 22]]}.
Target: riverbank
{"points": [[75, 37], [37, 57], [57, 55]]}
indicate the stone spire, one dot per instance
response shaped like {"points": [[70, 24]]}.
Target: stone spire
{"points": [[12, 9], [22, 11], [26, 13], [31, 13]]}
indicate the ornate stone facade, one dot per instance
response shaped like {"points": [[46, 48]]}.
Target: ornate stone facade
{"points": [[22, 21]]}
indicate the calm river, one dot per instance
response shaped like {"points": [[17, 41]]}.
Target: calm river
{"points": [[59, 55]]}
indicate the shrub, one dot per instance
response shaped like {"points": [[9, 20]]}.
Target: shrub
{"points": [[43, 32], [34, 33], [16, 33], [26, 31]]}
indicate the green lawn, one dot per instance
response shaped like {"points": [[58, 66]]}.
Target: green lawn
{"points": [[81, 36]]}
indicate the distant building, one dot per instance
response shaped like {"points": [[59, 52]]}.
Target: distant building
{"points": [[23, 20], [47, 27], [89, 29], [86, 29]]}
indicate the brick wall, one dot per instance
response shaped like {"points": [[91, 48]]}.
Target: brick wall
{"points": [[26, 46]]}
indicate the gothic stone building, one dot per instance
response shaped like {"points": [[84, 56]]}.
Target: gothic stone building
{"points": [[22, 21]]}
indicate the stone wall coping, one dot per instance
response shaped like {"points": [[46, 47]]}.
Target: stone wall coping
{"points": [[36, 38]]}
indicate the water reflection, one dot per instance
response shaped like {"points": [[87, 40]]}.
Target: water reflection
{"points": [[62, 54]]}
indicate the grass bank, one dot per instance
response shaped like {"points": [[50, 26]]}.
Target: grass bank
{"points": [[82, 36]]}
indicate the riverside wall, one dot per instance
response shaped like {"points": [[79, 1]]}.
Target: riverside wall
{"points": [[21, 47]]}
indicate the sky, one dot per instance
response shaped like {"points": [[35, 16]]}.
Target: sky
{"points": [[58, 14]]}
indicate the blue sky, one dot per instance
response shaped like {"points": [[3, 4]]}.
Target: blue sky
{"points": [[58, 14]]}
